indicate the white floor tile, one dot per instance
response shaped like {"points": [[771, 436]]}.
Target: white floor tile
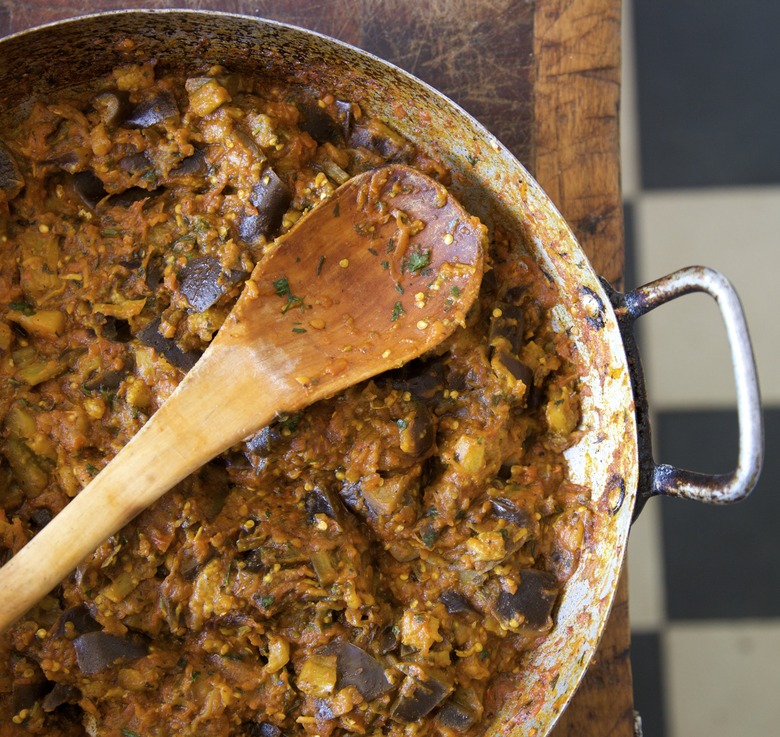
{"points": [[736, 231], [723, 678], [645, 570], [629, 114]]}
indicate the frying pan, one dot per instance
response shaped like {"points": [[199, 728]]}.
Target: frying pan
{"points": [[613, 456]]}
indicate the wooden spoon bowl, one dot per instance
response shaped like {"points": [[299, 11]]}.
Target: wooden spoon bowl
{"points": [[371, 278]]}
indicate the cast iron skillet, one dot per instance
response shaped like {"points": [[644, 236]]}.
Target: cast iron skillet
{"points": [[613, 457]]}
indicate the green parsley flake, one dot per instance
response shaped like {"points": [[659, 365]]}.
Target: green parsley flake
{"points": [[282, 289], [419, 260], [398, 310]]}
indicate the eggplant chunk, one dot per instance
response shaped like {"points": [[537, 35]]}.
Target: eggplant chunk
{"points": [[132, 195], [89, 187], [320, 125], [518, 370], [150, 335], [193, 166], [75, 621], [200, 282], [262, 729], [461, 711], [418, 434], [380, 138], [532, 603], [455, 603], [504, 508], [270, 199], [135, 164], [62, 693], [324, 500], [112, 107], [151, 112], [11, 179], [417, 698], [355, 667], [423, 380], [96, 651]]}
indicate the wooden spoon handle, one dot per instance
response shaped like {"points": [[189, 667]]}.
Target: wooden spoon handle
{"points": [[179, 438]]}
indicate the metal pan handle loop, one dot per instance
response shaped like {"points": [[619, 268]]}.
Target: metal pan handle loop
{"points": [[673, 481]]}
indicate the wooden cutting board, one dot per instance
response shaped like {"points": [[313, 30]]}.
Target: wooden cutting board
{"points": [[544, 77]]}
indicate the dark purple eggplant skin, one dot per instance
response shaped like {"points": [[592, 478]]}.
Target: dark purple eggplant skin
{"points": [[151, 112], [456, 716], [81, 620], [320, 125], [324, 500], [506, 509], [419, 434], [419, 698], [516, 367], [150, 335], [355, 667], [200, 282], [533, 602], [193, 166], [96, 651], [262, 729], [455, 603], [113, 107], [89, 187], [270, 198], [138, 163], [132, 195], [62, 693]]}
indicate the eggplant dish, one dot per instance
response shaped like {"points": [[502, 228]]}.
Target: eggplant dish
{"points": [[376, 564]]}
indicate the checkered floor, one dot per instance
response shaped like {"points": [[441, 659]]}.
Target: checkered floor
{"points": [[701, 180]]}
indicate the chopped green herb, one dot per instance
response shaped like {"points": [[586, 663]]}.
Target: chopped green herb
{"points": [[391, 244], [282, 289], [385, 265], [372, 251], [398, 310], [320, 264], [267, 601], [22, 307], [226, 580], [399, 288], [282, 286], [403, 424], [128, 733], [455, 291], [299, 330], [91, 470], [418, 260], [429, 538]]}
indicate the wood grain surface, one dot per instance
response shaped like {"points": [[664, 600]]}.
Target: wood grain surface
{"points": [[544, 77]]}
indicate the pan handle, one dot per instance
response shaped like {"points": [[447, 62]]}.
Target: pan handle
{"points": [[670, 480]]}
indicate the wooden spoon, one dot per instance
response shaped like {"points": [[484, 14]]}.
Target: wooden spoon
{"points": [[369, 279]]}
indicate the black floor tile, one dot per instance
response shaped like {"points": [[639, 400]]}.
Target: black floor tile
{"points": [[709, 101], [720, 562], [647, 672]]}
